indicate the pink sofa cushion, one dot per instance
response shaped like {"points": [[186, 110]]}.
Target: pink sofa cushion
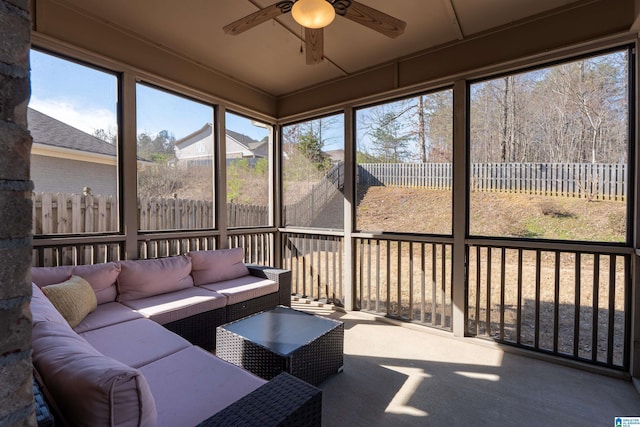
{"points": [[135, 343], [243, 288], [213, 385], [42, 310], [43, 276], [88, 387], [217, 266], [105, 315], [177, 305], [148, 277], [101, 277]]}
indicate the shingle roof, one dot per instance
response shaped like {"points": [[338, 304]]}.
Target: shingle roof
{"points": [[49, 131], [241, 138]]}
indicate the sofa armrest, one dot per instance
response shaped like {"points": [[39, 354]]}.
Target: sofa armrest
{"points": [[283, 401], [278, 275]]}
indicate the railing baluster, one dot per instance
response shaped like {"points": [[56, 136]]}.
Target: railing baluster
{"points": [[612, 308], [577, 305], [488, 302], [503, 262], [594, 308], [519, 302], [478, 285], [556, 302], [536, 340]]}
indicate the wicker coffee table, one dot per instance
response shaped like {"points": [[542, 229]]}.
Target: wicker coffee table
{"points": [[282, 339]]}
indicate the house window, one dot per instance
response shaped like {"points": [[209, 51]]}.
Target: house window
{"points": [[175, 151], [313, 173], [404, 165], [72, 118], [549, 152], [249, 147]]}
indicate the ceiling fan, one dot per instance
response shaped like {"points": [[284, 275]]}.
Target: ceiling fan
{"points": [[314, 15]]}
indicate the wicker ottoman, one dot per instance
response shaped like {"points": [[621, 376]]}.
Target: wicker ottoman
{"points": [[283, 340]]}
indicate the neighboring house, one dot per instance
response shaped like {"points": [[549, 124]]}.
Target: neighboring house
{"points": [[197, 148], [66, 160], [336, 156]]}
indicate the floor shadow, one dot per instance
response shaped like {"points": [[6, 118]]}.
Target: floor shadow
{"points": [[399, 376]]}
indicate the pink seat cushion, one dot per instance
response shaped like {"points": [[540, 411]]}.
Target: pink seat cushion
{"points": [[213, 385], [136, 342], [90, 388], [217, 266], [177, 305], [148, 277], [107, 314], [243, 288]]}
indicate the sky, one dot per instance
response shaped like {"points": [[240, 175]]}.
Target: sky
{"points": [[86, 98]]}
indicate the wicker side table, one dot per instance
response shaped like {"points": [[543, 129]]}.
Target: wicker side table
{"points": [[284, 340]]}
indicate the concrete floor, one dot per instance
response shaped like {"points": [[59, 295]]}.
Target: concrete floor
{"points": [[411, 376]]}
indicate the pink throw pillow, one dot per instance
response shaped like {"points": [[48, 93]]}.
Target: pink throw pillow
{"points": [[102, 277], [147, 277], [217, 266]]}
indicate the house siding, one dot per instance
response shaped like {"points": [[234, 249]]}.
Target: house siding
{"points": [[55, 175]]}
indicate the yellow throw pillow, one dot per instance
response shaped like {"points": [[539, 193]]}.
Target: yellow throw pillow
{"points": [[74, 299]]}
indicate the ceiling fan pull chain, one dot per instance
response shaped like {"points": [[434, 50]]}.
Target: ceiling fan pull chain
{"points": [[301, 40]]}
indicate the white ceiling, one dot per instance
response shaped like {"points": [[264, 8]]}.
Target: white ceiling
{"points": [[268, 56]]}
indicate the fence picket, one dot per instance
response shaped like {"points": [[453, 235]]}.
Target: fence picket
{"points": [[597, 181]]}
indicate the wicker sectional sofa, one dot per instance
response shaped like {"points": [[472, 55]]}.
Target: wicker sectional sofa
{"points": [[123, 343]]}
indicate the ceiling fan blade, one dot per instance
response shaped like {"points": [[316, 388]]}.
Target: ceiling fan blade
{"points": [[374, 19], [256, 18], [314, 45]]}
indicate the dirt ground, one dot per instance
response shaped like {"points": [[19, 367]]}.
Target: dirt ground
{"points": [[421, 210]]}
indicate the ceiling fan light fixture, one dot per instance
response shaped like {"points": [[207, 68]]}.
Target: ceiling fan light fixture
{"points": [[313, 13]]}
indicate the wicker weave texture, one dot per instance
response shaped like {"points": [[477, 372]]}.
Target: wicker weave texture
{"points": [[284, 401], [200, 329], [312, 362], [252, 306], [280, 276], [320, 358], [44, 417]]}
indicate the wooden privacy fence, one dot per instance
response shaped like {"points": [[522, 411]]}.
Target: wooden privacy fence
{"points": [[58, 213], [304, 211], [594, 181]]}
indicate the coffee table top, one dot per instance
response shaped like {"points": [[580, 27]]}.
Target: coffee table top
{"points": [[282, 329]]}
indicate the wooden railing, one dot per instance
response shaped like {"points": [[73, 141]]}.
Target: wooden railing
{"points": [[316, 264], [406, 280], [569, 303], [258, 246]]}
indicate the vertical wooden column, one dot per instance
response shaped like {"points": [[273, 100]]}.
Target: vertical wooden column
{"points": [[275, 188], [128, 170], [460, 201], [349, 261], [634, 334], [220, 174]]}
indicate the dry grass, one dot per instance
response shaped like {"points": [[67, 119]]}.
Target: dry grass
{"points": [[492, 214]]}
